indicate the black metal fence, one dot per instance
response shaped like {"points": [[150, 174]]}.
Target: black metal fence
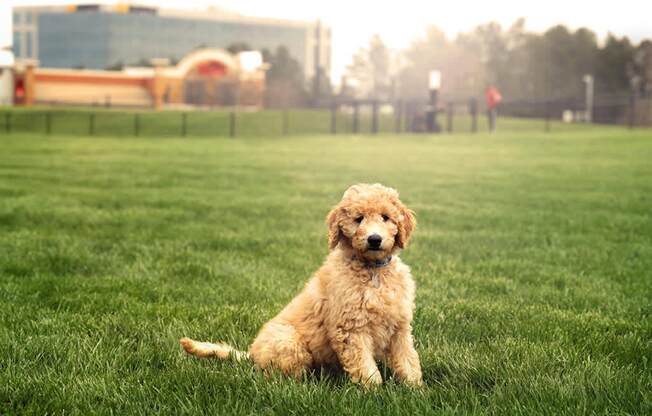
{"points": [[338, 117], [353, 117]]}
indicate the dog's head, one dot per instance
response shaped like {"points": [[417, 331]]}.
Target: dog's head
{"points": [[370, 220]]}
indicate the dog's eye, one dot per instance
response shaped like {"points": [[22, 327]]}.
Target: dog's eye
{"points": [[385, 218], [359, 219]]}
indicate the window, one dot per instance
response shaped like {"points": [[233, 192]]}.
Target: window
{"points": [[17, 18], [28, 18], [29, 39], [17, 44]]}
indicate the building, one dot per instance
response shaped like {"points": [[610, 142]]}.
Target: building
{"points": [[205, 77], [109, 37], [6, 56]]}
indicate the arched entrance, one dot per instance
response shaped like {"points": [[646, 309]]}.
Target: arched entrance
{"points": [[209, 78], [201, 84]]}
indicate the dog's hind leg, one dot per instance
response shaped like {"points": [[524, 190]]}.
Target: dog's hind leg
{"points": [[279, 346]]}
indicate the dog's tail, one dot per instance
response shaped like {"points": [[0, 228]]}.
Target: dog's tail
{"points": [[208, 350]]}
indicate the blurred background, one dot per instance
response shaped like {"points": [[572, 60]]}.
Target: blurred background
{"points": [[411, 66]]}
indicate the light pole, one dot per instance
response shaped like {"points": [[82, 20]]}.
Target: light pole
{"points": [[431, 114], [588, 80]]}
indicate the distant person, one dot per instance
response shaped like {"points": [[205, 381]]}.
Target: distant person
{"points": [[494, 99]]}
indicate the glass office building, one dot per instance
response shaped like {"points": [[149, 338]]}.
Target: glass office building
{"points": [[105, 37]]}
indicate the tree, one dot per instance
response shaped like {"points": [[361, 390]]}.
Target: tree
{"points": [[524, 65], [237, 47], [613, 63], [285, 83], [641, 72], [379, 62], [369, 70], [358, 74], [494, 52], [118, 66], [424, 55]]}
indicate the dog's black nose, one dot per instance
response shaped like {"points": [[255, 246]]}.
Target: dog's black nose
{"points": [[374, 240]]}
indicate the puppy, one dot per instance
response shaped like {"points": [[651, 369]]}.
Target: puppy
{"points": [[356, 309]]}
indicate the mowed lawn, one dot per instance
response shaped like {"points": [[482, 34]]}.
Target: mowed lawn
{"points": [[533, 259]]}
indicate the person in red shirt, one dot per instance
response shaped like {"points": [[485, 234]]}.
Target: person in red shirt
{"points": [[494, 99]]}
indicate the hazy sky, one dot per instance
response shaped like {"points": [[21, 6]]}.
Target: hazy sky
{"points": [[398, 22]]}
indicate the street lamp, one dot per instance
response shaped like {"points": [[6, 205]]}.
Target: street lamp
{"points": [[434, 85]]}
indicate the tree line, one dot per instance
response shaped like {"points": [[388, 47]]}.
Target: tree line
{"points": [[524, 65]]}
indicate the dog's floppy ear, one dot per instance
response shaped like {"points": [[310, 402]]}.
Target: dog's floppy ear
{"points": [[406, 225], [334, 232]]}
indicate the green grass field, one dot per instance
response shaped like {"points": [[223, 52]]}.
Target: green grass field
{"points": [[533, 259]]}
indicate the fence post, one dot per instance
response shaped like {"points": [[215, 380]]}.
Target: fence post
{"points": [[473, 109], [374, 117], [184, 124], [333, 118], [91, 124], [48, 123], [449, 117], [232, 121], [8, 122], [136, 124], [632, 110]]}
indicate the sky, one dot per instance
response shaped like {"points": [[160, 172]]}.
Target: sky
{"points": [[399, 22]]}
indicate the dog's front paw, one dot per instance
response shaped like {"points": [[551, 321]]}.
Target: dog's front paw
{"points": [[373, 379], [416, 381]]}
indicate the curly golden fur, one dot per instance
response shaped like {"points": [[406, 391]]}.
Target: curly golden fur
{"points": [[358, 306]]}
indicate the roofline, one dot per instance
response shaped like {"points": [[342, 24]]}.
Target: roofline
{"points": [[232, 17], [98, 73], [213, 14]]}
